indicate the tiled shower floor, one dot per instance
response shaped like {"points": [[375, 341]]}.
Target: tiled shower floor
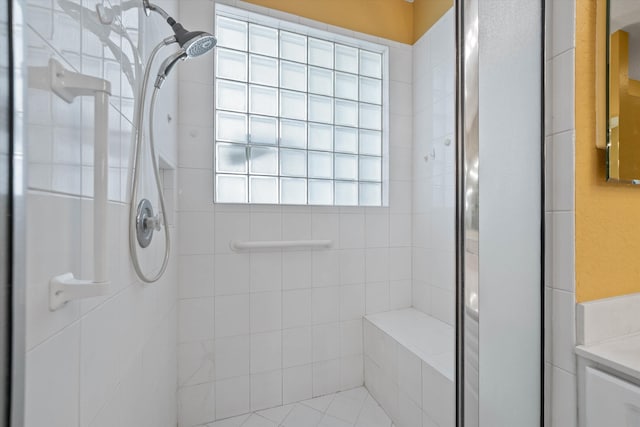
{"points": [[352, 408]]}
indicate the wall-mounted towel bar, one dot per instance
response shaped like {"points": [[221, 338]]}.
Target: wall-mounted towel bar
{"points": [[238, 245]]}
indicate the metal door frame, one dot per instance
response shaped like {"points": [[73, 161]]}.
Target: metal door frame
{"points": [[16, 245], [467, 212]]}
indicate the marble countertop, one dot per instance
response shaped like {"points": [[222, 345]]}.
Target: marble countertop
{"points": [[621, 354]]}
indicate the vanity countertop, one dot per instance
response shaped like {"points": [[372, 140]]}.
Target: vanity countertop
{"points": [[621, 354]]}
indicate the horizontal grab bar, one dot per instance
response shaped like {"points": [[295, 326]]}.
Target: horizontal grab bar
{"points": [[238, 245]]}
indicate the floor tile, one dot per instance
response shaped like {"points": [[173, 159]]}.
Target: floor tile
{"points": [[230, 422], [350, 408], [302, 416], [319, 403], [372, 415], [258, 421], [347, 405], [277, 414], [329, 421]]}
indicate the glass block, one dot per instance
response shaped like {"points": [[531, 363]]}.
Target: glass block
{"points": [[293, 191], [320, 165], [320, 81], [320, 109], [263, 71], [231, 96], [293, 46], [320, 192], [231, 127], [263, 189], [293, 134], [263, 100], [370, 64], [263, 160], [231, 158], [231, 64], [371, 90], [370, 194], [231, 189], [370, 116], [346, 58], [263, 40], [346, 140], [293, 162], [263, 130], [370, 168], [346, 113], [320, 53], [293, 105], [370, 142], [346, 86], [346, 167], [320, 137], [346, 193], [293, 76], [231, 33]]}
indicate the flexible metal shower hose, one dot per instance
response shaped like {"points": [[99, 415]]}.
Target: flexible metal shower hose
{"points": [[139, 142]]}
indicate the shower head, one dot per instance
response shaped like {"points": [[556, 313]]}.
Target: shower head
{"points": [[199, 43], [194, 43]]}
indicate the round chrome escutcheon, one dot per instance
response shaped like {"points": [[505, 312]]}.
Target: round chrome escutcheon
{"points": [[144, 230]]}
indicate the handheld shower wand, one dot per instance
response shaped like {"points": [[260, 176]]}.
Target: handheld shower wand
{"points": [[142, 221]]}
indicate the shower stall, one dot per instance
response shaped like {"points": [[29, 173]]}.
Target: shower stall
{"points": [[347, 214]]}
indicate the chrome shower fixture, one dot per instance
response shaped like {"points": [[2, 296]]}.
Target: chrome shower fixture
{"points": [[192, 43], [142, 220]]}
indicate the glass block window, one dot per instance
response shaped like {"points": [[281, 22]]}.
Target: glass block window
{"points": [[299, 116]]}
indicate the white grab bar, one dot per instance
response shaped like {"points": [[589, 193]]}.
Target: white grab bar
{"points": [[69, 85], [239, 245]]}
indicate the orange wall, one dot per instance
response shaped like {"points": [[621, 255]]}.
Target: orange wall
{"points": [[426, 13], [390, 19], [607, 215]]}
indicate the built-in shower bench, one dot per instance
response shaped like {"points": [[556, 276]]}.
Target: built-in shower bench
{"points": [[409, 367]]}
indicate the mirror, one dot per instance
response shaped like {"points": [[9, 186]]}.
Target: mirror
{"points": [[623, 91]]}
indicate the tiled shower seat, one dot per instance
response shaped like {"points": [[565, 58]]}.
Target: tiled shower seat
{"points": [[409, 367]]}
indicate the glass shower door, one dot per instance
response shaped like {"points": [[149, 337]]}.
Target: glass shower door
{"points": [[500, 213]]}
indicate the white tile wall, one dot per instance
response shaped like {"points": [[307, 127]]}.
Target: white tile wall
{"points": [[434, 170], [560, 375], [300, 311], [112, 360]]}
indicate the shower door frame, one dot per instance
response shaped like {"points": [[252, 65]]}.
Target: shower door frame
{"points": [[5, 212], [468, 209], [15, 219], [467, 151]]}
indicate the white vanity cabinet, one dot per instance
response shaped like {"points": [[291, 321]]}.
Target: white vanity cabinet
{"points": [[610, 400], [608, 362]]}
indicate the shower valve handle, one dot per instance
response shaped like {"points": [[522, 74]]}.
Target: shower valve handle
{"points": [[154, 222]]}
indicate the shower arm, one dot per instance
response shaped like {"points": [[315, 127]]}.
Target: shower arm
{"points": [[150, 7]]}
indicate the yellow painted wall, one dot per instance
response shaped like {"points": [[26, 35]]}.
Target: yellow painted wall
{"points": [[391, 19], [426, 13], [607, 215]]}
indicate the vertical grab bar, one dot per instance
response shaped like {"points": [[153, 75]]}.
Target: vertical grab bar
{"points": [[68, 85]]}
